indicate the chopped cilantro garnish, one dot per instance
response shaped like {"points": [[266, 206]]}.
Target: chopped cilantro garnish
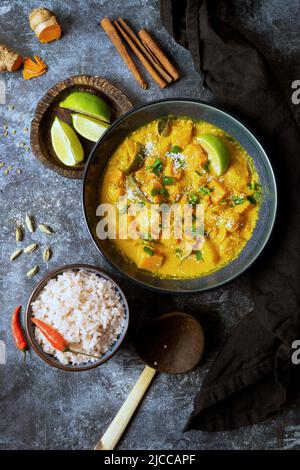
{"points": [[148, 237], [193, 199], [206, 166], [161, 191], [167, 180], [157, 167], [237, 200], [255, 186], [254, 198], [148, 250], [175, 149], [199, 255], [180, 162], [205, 190]]}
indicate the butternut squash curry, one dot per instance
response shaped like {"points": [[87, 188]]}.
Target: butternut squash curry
{"points": [[179, 160]]}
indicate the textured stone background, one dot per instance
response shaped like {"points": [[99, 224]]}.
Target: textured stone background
{"points": [[44, 408]]}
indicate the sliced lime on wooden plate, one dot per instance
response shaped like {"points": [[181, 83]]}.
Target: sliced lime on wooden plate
{"points": [[88, 127], [217, 151], [66, 144], [88, 103]]}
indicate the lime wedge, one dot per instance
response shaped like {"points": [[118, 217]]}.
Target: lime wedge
{"points": [[89, 127], [88, 103], [66, 144], [217, 151]]}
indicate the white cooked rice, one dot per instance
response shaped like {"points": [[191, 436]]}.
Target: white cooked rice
{"points": [[86, 309]]}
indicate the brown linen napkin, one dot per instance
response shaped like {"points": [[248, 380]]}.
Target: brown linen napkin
{"points": [[253, 376]]}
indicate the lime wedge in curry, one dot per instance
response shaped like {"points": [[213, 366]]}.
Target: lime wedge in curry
{"points": [[66, 144], [88, 127], [88, 103], [217, 151]]}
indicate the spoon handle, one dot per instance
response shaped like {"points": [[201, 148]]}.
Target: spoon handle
{"points": [[114, 432]]}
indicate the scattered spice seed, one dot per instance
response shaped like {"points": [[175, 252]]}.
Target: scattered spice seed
{"points": [[10, 167], [28, 221], [31, 248], [6, 171], [15, 254], [47, 254], [45, 229], [5, 134], [14, 131], [18, 171], [19, 234], [1, 164], [32, 272], [27, 148], [25, 129]]}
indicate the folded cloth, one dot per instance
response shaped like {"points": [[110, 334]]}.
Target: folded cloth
{"points": [[253, 376]]}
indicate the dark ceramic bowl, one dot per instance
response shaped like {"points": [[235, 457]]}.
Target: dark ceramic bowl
{"points": [[30, 327], [197, 110]]}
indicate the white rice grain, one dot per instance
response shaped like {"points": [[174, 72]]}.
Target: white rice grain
{"points": [[86, 309]]}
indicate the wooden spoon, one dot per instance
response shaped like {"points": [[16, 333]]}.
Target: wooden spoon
{"points": [[172, 343]]}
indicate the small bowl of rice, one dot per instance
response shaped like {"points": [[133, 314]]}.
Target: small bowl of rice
{"points": [[87, 307]]}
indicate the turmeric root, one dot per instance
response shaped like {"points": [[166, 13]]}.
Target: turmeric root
{"points": [[10, 61], [45, 25], [33, 68]]}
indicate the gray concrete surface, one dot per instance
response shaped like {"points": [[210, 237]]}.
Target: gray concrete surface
{"points": [[44, 408]]}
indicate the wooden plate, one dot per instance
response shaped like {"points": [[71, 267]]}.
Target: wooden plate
{"points": [[48, 108]]}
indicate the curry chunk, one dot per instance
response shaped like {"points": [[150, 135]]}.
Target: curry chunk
{"points": [[149, 259], [182, 132], [194, 156], [218, 191]]}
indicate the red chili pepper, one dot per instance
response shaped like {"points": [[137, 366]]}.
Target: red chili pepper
{"points": [[17, 331], [52, 335], [55, 338]]}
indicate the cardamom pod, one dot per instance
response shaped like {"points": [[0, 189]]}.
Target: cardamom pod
{"points": [[15, 254], [47, 254], [28, 221], [45, 228], [32, 271], [19, 234], [31, 248]]}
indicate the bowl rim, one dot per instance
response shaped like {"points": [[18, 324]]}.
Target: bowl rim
{"points": [[39, 286], [260, 145]]}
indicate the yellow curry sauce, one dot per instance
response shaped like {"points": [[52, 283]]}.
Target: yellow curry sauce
{"points": [[176, 169]]}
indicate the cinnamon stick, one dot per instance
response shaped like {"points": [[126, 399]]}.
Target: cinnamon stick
{"points": [[113, 35], [149, 42], [160, 81], [145, 52]]}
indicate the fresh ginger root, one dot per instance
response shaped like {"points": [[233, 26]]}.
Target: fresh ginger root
{"points": [[10, 61], [33, 68], [45, 25]]}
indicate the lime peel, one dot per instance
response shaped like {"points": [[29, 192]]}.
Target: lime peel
{"points": [[88, 127], [88, 103], [66, 144], [217, 151]]}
